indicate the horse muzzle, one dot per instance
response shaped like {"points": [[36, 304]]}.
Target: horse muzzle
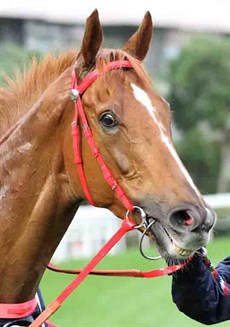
{"points": [[183, 231]]}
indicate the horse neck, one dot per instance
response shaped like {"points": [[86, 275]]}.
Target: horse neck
{"points": [[37, 203]]}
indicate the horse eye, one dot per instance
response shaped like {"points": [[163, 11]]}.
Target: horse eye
{"points": [[108, 120]]}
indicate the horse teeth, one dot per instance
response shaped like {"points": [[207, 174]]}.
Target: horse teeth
{"points": [[181, 251]]}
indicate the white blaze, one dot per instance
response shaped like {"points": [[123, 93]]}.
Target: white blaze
{"points": [[141, 96]]}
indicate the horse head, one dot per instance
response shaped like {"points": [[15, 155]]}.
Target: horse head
{"points": [[131, 124]]}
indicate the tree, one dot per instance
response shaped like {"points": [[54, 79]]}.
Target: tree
{"points": [[199, 80]]}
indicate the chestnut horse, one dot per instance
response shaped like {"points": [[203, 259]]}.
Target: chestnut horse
{"points": [[40, 186]]}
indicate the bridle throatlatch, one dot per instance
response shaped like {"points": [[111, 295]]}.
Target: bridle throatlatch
{"points": [[127, 223]]}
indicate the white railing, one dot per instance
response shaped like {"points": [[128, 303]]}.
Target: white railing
{"points": [[92, 227], [217, 201], [89, 230]]}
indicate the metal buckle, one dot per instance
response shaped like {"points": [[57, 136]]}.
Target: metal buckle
{"points": [[74, 95], [147, 227], [143, 216]]}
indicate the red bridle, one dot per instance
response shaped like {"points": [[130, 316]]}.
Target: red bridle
{"points": [[127, 224], [76, 92]]}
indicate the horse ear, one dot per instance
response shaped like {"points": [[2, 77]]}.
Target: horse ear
{"points": [[92, 39], [138, 45]]}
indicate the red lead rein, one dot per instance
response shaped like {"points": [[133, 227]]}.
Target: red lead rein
{"points": [[124, 273], [126, 226]]}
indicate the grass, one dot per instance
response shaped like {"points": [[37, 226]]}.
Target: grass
{"points": [[123, 302]]}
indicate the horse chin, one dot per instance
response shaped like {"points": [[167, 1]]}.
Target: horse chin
{"points": [[167, 246]]}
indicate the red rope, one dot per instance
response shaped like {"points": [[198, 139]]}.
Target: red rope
{"points": [[122, 273], [54, 305]]}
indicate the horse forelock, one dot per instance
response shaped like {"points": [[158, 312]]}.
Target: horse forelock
{"points": [[106, 56]]}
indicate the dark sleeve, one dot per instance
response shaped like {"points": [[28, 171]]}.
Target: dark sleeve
{"points": [[198, 295]]}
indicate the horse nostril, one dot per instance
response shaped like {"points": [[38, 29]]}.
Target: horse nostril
{"points": [[186, 218], [191, 219], [181, 220]]}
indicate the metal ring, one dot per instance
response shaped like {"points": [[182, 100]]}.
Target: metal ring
{"points": [[143, 216], [141, 243]]}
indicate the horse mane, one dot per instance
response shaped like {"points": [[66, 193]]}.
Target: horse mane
{"points": [[19, 95]]}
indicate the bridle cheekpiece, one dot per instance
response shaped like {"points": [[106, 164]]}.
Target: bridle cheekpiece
{"points": [[75, 95]]}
